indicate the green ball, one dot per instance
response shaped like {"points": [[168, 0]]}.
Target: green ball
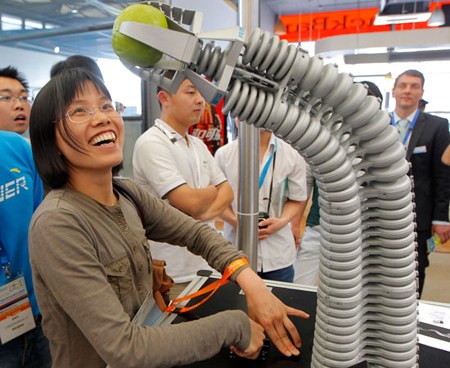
{"points": [[129, 49]]}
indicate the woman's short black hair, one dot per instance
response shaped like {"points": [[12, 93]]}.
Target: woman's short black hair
{"points": [[49, 107]]}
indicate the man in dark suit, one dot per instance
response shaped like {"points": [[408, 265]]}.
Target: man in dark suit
{"points": [[425, 137]]}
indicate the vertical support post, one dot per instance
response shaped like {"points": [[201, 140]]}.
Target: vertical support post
{"points": [[150, 105], [248, 189]]}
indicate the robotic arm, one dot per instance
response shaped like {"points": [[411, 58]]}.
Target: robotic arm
{"points": [[367, 301]]}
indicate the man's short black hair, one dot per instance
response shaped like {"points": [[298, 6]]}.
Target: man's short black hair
{"points": [[13, 73], [76, 61], [169, 73], [373, 90]]}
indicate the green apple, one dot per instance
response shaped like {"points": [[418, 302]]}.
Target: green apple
{"points": [[129, 49]]}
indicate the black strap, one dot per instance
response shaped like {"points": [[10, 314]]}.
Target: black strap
{"points": [[129, 194], [271, 182]]}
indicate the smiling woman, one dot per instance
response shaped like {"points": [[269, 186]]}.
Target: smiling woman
{"points": [[65, 107], [90, 255]]}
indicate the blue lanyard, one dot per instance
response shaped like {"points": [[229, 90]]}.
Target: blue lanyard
{"points": [[4, 261], [410, 128], [266, 166]]}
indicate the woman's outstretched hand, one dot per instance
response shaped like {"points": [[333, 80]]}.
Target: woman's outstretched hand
{"points": [[271, 313]]}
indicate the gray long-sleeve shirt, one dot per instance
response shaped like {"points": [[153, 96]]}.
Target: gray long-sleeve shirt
{"points": [[92, 270]]}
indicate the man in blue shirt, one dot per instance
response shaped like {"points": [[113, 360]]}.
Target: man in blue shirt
{"points": [[21, 192]]}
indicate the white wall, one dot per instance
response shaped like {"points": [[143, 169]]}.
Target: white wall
{"points": [[216, 13], [34, 65]]}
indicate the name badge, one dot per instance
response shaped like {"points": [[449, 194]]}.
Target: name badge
{"points": [[16, 316], [420, 149]]}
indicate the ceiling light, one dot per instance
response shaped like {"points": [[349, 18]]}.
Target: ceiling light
{"points": [[381, 20], [427, 43], [279, 28], [437, 18], [388, 81]]}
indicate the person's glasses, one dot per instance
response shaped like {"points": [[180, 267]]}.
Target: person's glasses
{"points": [[83, 114], [12, 99]]}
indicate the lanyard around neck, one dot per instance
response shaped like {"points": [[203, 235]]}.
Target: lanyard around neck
{"points": [[266, 166], [410, 128], [197, 167], [271, 159], [166, 132]]}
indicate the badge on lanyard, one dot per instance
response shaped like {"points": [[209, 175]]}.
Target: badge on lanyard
{"points": [[16, 316]]}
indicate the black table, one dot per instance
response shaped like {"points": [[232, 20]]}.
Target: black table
{"points": [[229, 297]]}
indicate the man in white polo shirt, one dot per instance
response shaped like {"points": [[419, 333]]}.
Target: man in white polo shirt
{"points": [[179, 168], [282, 189]]}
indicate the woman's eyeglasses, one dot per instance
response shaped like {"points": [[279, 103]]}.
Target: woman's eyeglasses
{"points": [[83, 114]]}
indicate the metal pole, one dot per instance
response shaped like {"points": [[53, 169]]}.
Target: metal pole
{"points": [[248, 190], [150, 104], [34, 35]]}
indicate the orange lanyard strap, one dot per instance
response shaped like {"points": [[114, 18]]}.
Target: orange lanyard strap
{"points": [[211, 288]]}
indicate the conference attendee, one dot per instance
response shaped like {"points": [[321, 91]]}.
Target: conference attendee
{"points": [[15, 103], [282, 188], [88, 248], [425, 137], [23, 343], [180, 169]]}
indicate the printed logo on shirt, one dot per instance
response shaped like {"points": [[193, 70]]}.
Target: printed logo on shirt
{"points": [[13, 187], [211, 134]]}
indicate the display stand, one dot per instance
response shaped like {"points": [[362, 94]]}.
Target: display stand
{"points": [[297, 296]]}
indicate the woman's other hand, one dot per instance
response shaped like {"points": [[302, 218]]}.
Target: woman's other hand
{"points": [[256, 342]]}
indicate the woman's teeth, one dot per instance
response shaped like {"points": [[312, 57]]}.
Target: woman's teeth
{"points": [[104, 138]]}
